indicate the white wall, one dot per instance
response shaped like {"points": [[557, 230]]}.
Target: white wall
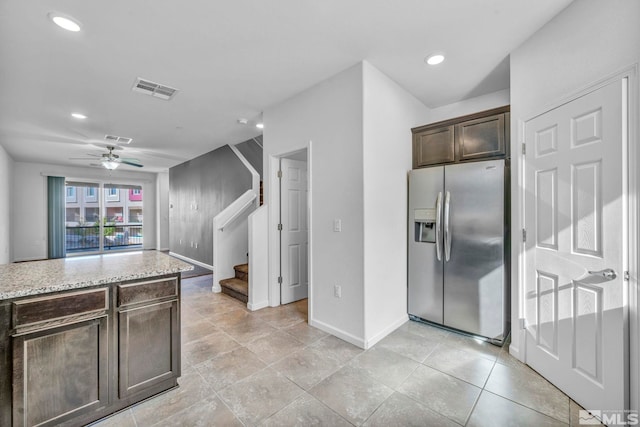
{"points": [[586, 42], [258, 259], [6, 180], [389, 114], [359, 124], [29, 207], [469, 106], [330, 115], [162, 213]]}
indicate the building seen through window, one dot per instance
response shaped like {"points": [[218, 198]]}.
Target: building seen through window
{"points": [[100, 224]]}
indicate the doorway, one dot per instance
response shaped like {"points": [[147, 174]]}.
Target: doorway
{"points": [[577, 247], [293, 227]]}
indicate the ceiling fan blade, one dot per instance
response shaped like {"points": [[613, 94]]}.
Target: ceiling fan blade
{"points": [[129, 159], [130, 163]]}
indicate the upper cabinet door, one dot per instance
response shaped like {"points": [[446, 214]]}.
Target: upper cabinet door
{"points": [[481, 138], [434, 146]]}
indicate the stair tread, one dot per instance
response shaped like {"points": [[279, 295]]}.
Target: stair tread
{"points": [[240, 286], [242, 267]]}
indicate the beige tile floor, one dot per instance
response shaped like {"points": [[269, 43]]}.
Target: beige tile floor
{"points": [[270, 368]]}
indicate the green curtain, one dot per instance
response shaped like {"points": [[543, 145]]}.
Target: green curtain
{"points": [[56, 197]]}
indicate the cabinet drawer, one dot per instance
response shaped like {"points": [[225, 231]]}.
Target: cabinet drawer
{"points": [[44, 309], [151, 290]]}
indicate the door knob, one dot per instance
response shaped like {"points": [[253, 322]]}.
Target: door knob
{"points": [[607, 273]]}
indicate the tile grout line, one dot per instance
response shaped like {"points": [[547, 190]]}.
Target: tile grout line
{"points": [[531, 409], [482, 390]]}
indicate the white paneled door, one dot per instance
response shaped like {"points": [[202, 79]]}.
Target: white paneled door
{"points": [[576, 247], [295, 232]]}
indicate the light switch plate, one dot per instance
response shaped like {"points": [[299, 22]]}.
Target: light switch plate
{"points": [[337, 225]]}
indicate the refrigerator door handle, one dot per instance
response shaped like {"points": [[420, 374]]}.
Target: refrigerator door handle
{"points": [[447, 234], [438, 226]]}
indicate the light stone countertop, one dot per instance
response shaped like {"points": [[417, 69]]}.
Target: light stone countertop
{"points": [[41, 277]]}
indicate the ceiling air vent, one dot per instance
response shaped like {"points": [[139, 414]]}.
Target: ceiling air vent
{"points": [[154, 89], [117, 139]]}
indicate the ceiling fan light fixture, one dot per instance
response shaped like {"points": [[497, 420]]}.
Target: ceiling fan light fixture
{"points": [[110, 164], [65, 22]]}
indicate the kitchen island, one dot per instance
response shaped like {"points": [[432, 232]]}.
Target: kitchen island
{"points": [[81, 338]]}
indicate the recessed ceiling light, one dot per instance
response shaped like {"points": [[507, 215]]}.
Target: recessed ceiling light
{"points": [[65, 22], [434, 59], [78, 116], [260, 125], [242, 121]]}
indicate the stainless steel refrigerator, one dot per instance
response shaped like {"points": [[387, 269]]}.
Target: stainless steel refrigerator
{"points": [[458, 247]]}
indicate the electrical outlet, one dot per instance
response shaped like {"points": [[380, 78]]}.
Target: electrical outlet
{"points": [[337, 291], [337, 225], [180, 241]]}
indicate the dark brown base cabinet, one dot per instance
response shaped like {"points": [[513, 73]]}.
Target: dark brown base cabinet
{"points": [[80, 355]]}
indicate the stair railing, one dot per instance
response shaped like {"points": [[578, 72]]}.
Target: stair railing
{"points": [[230, 237]]}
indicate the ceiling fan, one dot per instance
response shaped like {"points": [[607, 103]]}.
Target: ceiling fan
{"points": [[110, 160]]}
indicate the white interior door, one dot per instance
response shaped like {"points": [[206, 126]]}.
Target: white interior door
{"points": [[576, 223], [295, 232]]}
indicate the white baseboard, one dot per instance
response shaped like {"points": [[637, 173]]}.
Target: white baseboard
{"points": [[192, 261], [386, 331], [163, 249], [338, 333], [258, 305], [515, 350], [216, 288], [29, 259]]}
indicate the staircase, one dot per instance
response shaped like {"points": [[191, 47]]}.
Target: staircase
{"points": [[238, 286]]}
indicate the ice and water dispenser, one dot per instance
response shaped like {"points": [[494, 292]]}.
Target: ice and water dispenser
{"points": [[425, 225]]}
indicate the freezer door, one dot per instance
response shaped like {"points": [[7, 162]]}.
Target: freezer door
{"points": [[474, 274], [425, 279]]}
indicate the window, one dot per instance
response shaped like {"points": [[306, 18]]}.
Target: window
{"points": [[102, 218], [112, 195], [115, 215], [71, 194], [135, 194], [91, 194], [92, 215], [72, 216], [135, 215]]}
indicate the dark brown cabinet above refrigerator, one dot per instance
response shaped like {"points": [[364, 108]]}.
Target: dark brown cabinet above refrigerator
{"points": [[478, 136]]}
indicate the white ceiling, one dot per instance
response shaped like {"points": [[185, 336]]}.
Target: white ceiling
{"points": [[229, 59]]}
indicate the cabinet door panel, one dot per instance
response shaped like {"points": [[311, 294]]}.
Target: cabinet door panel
{"points": [[149, 346], [433, 146], [481, 138], [60, 373]]}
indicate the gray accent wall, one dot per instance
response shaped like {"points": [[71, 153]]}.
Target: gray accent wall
{"points": [[251, 149], [199, 189]]}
